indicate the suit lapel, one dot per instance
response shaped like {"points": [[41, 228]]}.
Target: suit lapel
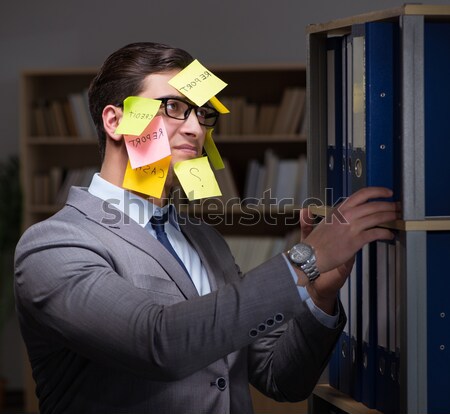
{"points": [[107, 216]]}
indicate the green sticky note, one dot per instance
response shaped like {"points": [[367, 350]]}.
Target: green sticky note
{"points": [[197, 178], [138, 112]]}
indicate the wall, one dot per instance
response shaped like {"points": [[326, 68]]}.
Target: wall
{"points": [[55, 33]]}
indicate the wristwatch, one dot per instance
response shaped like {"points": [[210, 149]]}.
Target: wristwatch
{"points": [[302, 256]]}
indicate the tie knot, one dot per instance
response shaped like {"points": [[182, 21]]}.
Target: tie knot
{"points": [[158, 222]]}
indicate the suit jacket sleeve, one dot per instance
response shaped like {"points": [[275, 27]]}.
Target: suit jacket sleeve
{"points": [[287, 363]]}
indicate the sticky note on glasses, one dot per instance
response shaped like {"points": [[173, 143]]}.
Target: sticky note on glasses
{"points": [[197, 83], [219, 106], [197, 178], [212, 151], [138, 112], [149, 146], [149, 179]]}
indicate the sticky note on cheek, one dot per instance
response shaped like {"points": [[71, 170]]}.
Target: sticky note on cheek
{"points": [[149, 179], [197, 83], [212, 151], [197, 178], [138, 112], [149, 146]]}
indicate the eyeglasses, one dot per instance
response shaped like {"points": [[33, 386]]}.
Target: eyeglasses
{"points": [[178, 108]]}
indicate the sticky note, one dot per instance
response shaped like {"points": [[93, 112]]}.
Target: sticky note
{"points": [[197, 83], [149, 179], [149, 146], [212, 151], [137, 114], [197, 178], [219, 105]]}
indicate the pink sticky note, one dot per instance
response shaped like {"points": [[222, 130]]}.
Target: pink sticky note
{"points": [[150, 146]]}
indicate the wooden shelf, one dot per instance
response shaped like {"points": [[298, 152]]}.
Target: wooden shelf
{"points": [[260, 138], [429, 224], [339, 25], [338, 399]]}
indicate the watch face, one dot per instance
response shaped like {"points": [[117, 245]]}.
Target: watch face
{"points": [[300, 253]]}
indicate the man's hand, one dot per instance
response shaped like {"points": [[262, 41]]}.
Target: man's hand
{"points": [[338, 237]]}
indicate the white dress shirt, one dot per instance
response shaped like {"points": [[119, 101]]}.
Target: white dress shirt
{"points": [[141, 211]]}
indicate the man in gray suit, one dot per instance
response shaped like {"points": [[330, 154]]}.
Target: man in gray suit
{"points": [[115, 323]]}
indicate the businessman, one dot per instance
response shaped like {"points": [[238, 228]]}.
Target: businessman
{"points": [[148, 312]]}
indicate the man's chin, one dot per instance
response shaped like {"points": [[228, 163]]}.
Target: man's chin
{"points": [[182, 158]]}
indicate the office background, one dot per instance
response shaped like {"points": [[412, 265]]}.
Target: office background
{"points": [[56, 34]]}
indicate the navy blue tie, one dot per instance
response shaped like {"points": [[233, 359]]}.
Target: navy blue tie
{"points": [[158, 225]]}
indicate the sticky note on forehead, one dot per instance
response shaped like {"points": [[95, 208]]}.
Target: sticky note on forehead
{"points": [[197, 83], [137, 114]]}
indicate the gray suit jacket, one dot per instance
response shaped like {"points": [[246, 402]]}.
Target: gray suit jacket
{"points": [[112, 324]]}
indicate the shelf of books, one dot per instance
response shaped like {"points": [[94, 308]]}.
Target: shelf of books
{"points": [[378, 111], [262, 142]]}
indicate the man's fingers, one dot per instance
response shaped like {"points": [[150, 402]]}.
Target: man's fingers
{"points": [[366, 194], [378, 233], [377, 219], [371, 208]]}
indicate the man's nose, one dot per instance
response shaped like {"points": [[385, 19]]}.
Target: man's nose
{"points": [[192, 122]]}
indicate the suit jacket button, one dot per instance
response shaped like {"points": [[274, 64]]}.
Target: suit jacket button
{"points": [[221, 383], [279, 317], [253, 333]]}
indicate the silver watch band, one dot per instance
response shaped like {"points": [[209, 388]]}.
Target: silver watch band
{"points": [[310, 269]]}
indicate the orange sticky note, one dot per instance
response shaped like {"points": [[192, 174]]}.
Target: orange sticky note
{"points": [[137, 113], [149, 179], [150, 146], [197, 178], [197, 83], [212, 151]]}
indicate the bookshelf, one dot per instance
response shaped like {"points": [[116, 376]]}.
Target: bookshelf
{"points": [[374, 91], [57, 142]]}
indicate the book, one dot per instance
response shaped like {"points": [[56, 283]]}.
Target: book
{"points": [[56, 112]]}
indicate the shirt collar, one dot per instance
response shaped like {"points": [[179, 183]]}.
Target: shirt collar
{"points": [[137, 208]]}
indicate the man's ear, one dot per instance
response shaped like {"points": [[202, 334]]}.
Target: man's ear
{"points": [[111, 116]]}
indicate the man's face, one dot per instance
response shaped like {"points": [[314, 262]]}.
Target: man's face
{"points": [[186, 137]]}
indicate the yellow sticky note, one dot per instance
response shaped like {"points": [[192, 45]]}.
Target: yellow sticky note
{"points": [[212, 151], [197, 83], [149, 179], [138, 112], [197, 178], [219, 105]]}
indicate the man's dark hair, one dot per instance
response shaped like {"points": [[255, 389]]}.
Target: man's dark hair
{"points": [[123, 73]]}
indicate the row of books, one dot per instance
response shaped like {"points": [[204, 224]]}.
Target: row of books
{"points": [[52, 187], [285, 178], [251, 251], [251, 118], [63, 117], [70, 116], [275, 181]]}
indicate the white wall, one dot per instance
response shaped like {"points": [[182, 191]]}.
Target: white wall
{"points": [[64, 33]]}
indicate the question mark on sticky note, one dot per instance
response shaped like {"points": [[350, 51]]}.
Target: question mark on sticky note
{"points": [[196, 176]]}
